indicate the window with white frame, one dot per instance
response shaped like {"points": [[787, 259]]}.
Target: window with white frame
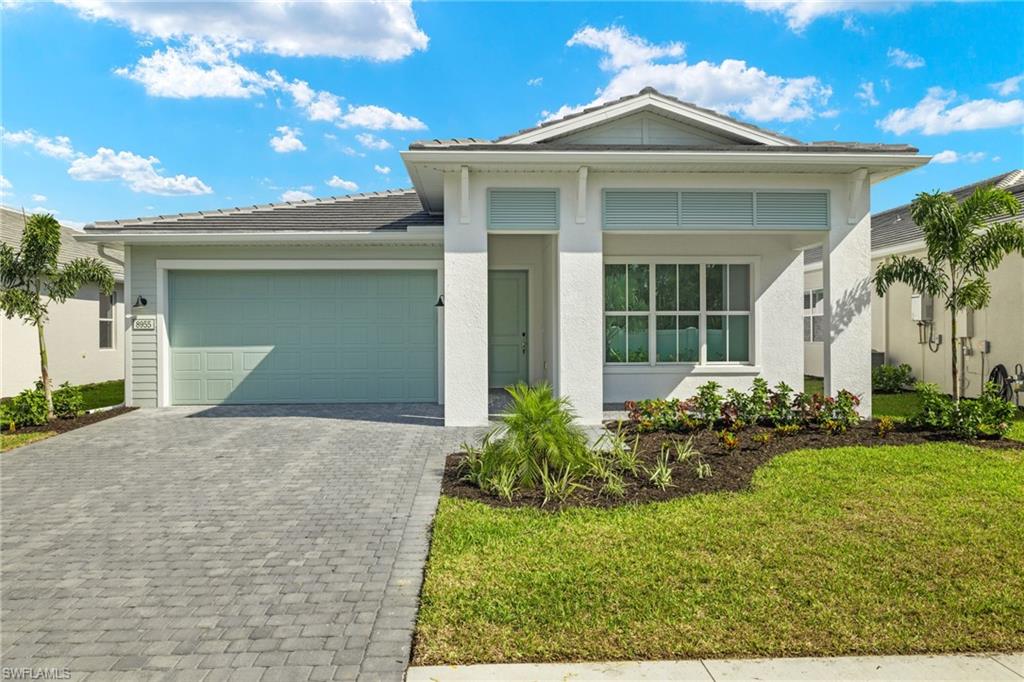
{"points": [[107, 306], [814, 315], [677, 313]]}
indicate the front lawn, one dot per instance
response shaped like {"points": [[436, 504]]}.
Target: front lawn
{"points": [[840, 551], [9, 441], [103, 394]]}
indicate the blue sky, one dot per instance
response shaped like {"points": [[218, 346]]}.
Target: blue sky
{"points": [[119, 109]]}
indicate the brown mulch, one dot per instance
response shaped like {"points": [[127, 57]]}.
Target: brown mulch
{"points": [[731, 470], [63, 425]]}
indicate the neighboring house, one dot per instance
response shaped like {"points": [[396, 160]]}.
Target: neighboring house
{"points": [[993, 336], [635, 249], [84, 335]]}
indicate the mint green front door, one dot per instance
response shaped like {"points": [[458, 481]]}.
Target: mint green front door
{"points": [[507, 342], [302, 336]]}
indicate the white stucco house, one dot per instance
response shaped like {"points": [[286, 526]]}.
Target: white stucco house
{"points": [[84, 335], [632, 250]]}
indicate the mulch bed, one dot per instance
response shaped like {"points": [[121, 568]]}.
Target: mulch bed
{"points": [[731, 470], [63, 425]]}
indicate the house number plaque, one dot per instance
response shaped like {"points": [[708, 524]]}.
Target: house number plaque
{"points": [[144, 324]]}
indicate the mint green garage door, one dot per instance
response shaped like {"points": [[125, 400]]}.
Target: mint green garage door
{"points": [[302, 336]]}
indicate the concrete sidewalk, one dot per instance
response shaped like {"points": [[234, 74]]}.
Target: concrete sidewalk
{"points": [[973, 668]]}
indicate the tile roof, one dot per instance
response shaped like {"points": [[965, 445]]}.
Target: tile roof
{"points": [[12, 224], [813, 148], [895, 227], [388, 211]]}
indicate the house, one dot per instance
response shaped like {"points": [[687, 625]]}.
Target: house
{"points": [[634, 249], [84, 335], [905, 331]]}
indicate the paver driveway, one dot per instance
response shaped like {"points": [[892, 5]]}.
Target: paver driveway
{"points": [[222, 543]]}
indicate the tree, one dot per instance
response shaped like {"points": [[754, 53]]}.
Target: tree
{"points": [[31, 279], [965, 241]]}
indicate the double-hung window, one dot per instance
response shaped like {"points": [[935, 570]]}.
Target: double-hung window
{"points": [[677, 313], [814, 315], [107, 306]]}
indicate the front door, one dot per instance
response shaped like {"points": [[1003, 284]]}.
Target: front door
{"points": [[507, 345]]}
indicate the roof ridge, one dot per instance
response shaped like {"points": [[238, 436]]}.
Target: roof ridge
{"points": [[1003, 180], [253, 209]]}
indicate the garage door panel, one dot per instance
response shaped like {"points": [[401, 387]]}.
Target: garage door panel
{"points": [[349, 336]]}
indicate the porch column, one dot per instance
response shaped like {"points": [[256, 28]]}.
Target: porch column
{"points": [[581, 314], [465, 306], [846, 270]]}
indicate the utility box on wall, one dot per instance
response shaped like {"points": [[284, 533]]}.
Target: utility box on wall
{"points": [[921, 308], [965, 324]]}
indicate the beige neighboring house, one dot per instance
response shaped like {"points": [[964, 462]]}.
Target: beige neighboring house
{"points": [[84, 335], [906, 329]]}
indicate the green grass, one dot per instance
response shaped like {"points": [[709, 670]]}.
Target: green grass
{"points": [[103, 394], [9, 441], [841, 551], [900, 405]]}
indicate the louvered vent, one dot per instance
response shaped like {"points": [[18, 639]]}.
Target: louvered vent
{"points": [[792, 209], [522, 209], [625, 209]]}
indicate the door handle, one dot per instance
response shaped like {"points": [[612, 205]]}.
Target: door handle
{"points": [[524, 343]]}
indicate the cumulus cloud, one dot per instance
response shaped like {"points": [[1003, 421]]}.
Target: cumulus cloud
{"points": [[866, 94], [371, 141], [198, 69], [950, 156], [140, 174], [1009, 86], [379, 31], [39, 198], [933, 115], [287, 141], [731, 86], [904, 59], [58, 147], [534, 82], [799, 14], [5, 187], [378, 118], [339, 183], [383, 170], [296, 195]]}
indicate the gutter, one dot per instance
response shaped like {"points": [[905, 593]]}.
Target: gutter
{"points": [[425, 234]]}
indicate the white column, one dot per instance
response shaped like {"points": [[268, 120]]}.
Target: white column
{"points": [[846, 270], [581, 315], [465, 306]]}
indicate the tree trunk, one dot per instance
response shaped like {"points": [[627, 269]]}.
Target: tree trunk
{"points": [[44, 367], [956, 359]]}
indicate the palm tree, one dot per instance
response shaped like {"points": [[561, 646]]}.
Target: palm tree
{"points": [[964, 243], [31, 279]]}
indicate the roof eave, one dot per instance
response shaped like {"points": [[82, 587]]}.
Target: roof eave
{"points": [[415, 234]]}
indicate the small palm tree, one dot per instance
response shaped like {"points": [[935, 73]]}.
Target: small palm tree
{"points": [[31, 279], [964, 244]]}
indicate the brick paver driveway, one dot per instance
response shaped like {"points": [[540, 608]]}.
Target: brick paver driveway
{"points": [[276, 542]]}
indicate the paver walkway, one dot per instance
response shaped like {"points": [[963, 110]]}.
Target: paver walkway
{"points": [[272, 542]]}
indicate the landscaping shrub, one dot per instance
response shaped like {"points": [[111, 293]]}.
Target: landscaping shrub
{"points": [[781, 403], [891, 378], [708, 404], [28, 408], [660, 415], [989, 415], [68, 401]]}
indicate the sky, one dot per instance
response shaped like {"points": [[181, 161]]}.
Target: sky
{"points": [[118, 109]]}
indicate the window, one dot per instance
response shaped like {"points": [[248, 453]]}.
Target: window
{"points": [[814, 315], [666, 313], [107, 319]]}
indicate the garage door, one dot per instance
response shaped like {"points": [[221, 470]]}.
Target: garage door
{"points": [[302, 336]]}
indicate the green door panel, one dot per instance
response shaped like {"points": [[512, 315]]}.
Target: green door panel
{"points": [[303, 336], [507, 324]]}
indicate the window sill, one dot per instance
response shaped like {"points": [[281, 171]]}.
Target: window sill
{"points": [[695, 370]]}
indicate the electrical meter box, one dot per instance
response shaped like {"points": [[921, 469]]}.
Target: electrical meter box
{"points": [[965, 323], [921, 308]]}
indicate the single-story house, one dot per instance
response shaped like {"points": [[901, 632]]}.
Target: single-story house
{"points": [[906, 329], [84, 335], [634, 249]]}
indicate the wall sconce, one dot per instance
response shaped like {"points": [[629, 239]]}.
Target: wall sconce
{"points": [[440, 301], [139, 302]]}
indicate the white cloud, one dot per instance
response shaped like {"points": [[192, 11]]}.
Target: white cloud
{"points": [[1009, 86], [5, 183], [43, 209], [287, 141], [950, 156], [800, 14], [199, 69], [339, 183], [381, 31], [933, 115], [383, 170], [731, 86], [39, 198], [139, 173], [866, 94], [319, 105], [296, 195], [534, 82], [904, 59], [378, 118], [371, 141], [57, 147], [350, 151]]}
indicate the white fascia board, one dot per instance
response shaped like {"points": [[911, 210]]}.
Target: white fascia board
{"points": [[416, 234]]}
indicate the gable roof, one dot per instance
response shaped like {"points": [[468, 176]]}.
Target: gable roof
{"points": [[894, 227], [12, 224], [388, 211]]}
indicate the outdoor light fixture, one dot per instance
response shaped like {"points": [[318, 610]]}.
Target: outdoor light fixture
{"points": [[139, 302], [440, 301]]}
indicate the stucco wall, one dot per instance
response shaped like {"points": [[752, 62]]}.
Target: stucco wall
{"points": [[73, 345]]}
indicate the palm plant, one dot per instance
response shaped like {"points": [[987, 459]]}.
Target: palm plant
{"points": [[31, 278], [964, 243]]}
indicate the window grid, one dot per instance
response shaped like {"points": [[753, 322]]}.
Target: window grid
{"points": [[814, 314], [107, 303], [627, 313]]}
